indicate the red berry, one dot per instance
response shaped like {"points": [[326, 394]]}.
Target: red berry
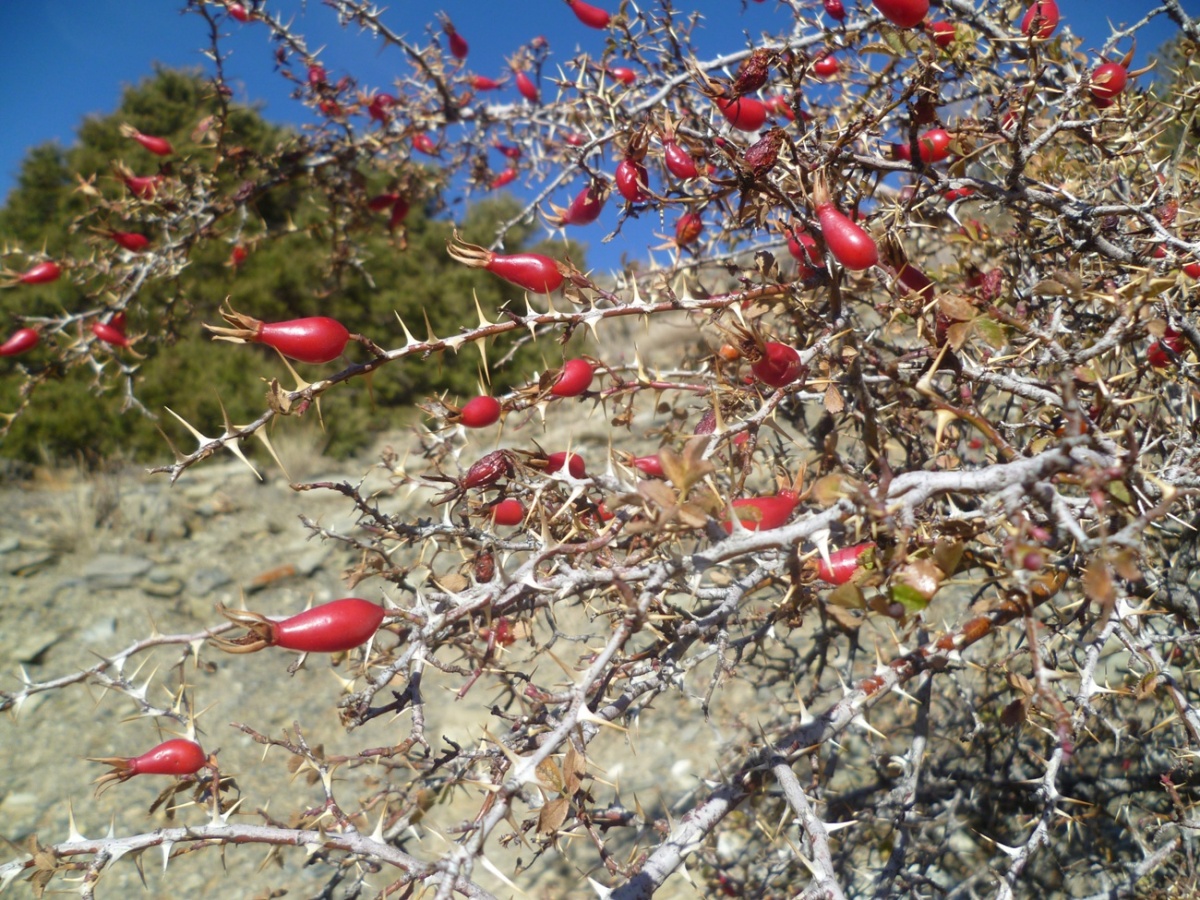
{"points": [[1160, 353], [591, 16], [458, 45], [508, 176], [679, 161], [483, 83], [480, 412], [174, 757], [780, 365], [575, 465], [424, 144], [903, 13], [744, 113], [688, 229], [527, 88], [20, 341], [134, 243], [509, 511], [1108, 81], [531, 271], [487, 470], [631, 181], [943, 33], [332, 627], [826, 67], [844, 563], [849, 243], [110, 334], [1045, 14], [623, 74], [238, 12], [649, 465], [585, 208], [835, 10], [380, 107], [156, 145], [317, 339], [42, 273], [762, 513], [934, 145], [574, 378]]}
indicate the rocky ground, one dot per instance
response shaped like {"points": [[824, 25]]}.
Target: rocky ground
{"points": [[89, 564]]}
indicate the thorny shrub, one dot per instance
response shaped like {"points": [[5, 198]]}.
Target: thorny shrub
{"points": [[971, 408]]}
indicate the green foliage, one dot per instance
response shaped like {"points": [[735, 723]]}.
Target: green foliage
{"points": [[295, 234]]}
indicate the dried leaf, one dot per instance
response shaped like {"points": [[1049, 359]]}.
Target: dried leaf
{"points": [[552, 814], [834, 403], [956, 307], [550, 775], [574, 769], [957, 334], [1098, 585], [847, 596]]}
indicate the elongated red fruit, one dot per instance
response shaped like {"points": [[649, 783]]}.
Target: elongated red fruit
{"points": [[531, 271], [42, 273], [509, 151], [585, 208], [844, 563], [129, 240], [332, 627], [631, 179], [1040, 19], [458, 44], [316, 339], [487, 470], [835, 9], [849, 244], [780, 365], [903, 13], [480, 412], [508, 176], [380, 107], [623, 74], [20, 341], [591, 16], [142, 186], [744, 113], [526, 88], [110, 334], [679, 161], [177, 756], [156, 145], [762, 513], [483, 83], [574, 378], [649, 465], [238, 12]]}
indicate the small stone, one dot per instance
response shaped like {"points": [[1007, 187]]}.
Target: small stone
{"points": [[169, 588], [205, 581], [113, 570]]}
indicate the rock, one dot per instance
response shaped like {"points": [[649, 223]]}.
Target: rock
{"points": [[167, 588], [19, 811], [29, 647], [206, 580], [115, 570], [28, 562]]}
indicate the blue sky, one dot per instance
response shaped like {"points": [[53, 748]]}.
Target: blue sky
{"points": [[61, 61]]}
